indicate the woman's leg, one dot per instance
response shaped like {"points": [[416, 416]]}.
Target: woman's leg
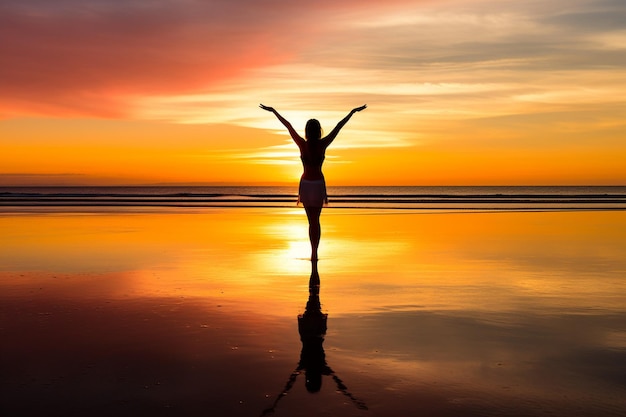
{"points": [[315, 232]]}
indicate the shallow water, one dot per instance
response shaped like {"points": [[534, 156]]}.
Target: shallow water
{"points": [[194, 312]]}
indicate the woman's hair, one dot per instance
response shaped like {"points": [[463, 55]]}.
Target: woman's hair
{"points": [[313, 130]]}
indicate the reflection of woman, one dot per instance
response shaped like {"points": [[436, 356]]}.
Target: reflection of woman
{"points": [[312, 329], [312, 190]]}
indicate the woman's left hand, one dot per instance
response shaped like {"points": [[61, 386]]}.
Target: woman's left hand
{"points": [[264, 107]]}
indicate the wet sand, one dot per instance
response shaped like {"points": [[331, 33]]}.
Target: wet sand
{"points": [[185, 313]]}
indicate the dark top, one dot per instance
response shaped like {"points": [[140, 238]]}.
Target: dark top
{"points": [[312, 159]]}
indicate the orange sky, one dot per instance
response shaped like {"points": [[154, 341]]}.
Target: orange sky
{"points": [[459, 92]]}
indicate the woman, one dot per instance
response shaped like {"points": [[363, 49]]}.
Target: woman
{"points": [[312, 190]]}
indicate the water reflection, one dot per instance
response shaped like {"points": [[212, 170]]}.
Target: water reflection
{"points": [[312, 326]]}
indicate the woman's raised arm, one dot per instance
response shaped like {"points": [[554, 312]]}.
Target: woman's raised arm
{"points": [[333, 134], [294, 135]]}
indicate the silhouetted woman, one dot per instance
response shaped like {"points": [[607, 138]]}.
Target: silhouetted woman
{"points": [[312, 190]]}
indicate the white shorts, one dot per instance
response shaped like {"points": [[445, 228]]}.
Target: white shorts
{"points": [[312, 193]]}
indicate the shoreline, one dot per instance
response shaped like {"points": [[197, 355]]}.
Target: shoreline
{"points": [[361, 198], [9, 210]]}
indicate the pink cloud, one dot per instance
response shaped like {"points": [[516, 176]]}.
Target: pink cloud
{"points": [[88, 57], [86, 63]]}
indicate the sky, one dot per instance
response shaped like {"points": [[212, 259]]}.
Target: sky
{"points": [[459, 92]]}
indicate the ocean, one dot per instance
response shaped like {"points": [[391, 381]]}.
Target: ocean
{"points": [[195, 301], [379, 197]]}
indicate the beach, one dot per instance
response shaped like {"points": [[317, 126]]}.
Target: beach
{"points": [[157, 260], [189, 311]]}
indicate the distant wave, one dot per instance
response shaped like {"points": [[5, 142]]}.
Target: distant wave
{"points": [[458, 198]]}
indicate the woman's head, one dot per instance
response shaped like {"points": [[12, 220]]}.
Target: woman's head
{"points": [[313, 130]]}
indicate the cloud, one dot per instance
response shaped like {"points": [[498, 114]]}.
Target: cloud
{"points": [[488, 36], [93, 57], [89, 57], [287, 153]]}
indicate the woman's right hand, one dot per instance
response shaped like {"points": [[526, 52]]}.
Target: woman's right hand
{"points": [[264, 107], [363, 107]]}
